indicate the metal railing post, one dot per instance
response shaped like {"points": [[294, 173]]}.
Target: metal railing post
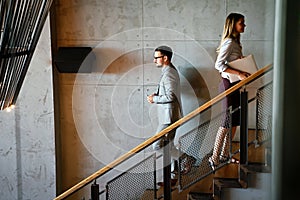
{"points": [[95, 191], [244, 128], [167, 169]]}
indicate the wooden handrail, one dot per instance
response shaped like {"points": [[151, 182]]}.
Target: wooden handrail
{"points": [[163, 132]]}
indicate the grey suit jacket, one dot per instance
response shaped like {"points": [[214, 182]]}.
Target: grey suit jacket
{"points": [[168, 96]]}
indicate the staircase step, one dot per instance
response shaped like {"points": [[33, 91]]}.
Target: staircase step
{"points": [[221, 183], [199, 196], [255, 153], [256, 167]]}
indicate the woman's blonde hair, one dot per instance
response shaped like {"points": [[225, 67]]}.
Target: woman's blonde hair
{"points": [[229, 28]]}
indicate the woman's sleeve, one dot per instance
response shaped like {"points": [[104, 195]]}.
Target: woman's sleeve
{"points": [[225, 51]]}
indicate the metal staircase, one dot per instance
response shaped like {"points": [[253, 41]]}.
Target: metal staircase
{"points": [[258, 143], [137, 179]]}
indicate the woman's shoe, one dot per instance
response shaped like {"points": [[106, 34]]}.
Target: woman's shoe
{"points": [[211, 163], [224, 159]]}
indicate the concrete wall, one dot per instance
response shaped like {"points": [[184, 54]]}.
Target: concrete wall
{"points": [[27, 147], [103, 114]]}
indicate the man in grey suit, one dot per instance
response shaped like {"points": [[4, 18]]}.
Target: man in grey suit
{"points": [[167, 96], [167, 99]]}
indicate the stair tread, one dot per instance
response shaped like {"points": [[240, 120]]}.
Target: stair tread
{"points": [[227, 183], [200, 196], [257, 167]]}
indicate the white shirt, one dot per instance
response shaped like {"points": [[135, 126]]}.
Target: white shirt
{"points": [[230, 50]]}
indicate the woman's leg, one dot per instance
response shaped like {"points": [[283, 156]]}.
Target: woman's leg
{"points": [[221, 134], [226, 144]]}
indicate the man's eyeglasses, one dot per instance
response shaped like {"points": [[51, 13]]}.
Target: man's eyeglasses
{"points": [[158, 57]]}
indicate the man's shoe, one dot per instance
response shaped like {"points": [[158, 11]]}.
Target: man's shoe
{"points": [[187, 163], [173, 183]]}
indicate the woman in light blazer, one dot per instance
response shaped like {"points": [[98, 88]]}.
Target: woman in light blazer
{"points": [[230, 49]]}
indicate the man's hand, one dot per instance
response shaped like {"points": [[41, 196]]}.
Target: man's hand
{"points": [[150, 98]]}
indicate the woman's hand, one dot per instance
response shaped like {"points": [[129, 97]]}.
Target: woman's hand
{"points": [[243, 75]]}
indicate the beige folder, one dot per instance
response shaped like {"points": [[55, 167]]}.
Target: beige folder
{"points": [[246, 64]]}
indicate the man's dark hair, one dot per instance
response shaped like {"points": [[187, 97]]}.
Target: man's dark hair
{"points": [[166, 51]]}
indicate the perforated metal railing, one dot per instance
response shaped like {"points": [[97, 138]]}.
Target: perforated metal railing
{"points": [[199, 143], [264, 113], [21, 24], [139, 181]]}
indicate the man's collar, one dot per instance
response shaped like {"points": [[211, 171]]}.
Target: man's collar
{"points": [[165, 67]]}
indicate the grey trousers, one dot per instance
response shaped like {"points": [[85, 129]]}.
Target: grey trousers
{"points": [[170, 136]]}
